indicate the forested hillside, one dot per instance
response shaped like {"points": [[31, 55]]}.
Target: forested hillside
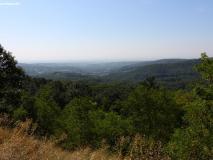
{"points": [[143, 120], [84, 68], [173, 73]]}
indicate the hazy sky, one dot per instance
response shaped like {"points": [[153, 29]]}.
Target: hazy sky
{"points": [[67, 30]]}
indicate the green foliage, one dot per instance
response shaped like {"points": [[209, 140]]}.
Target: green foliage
{"points": [[195, 139], [153, 111], [109, 126], [11, 82], [46, 112], [170, 73], [84, 124], [107, 95], [75, 122], [20, 114], [206, 67], [32, 85], [28, 104], [27, 108]]}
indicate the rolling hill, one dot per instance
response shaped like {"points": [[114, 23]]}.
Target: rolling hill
{"points": [[171, 72]]}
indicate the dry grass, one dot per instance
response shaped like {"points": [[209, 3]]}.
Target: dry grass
{"points": [[140, 148], [19, 144]]}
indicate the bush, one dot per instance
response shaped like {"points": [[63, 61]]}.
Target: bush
{"points": [[153, 111], [109, 127]]}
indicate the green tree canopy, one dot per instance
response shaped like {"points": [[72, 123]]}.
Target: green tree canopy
{"points": [[75, 123], [205, 68], [195, 139], [153, 110], [11, 78]]}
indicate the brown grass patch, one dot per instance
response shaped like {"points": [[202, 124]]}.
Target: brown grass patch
{"points": [[19, 144]]}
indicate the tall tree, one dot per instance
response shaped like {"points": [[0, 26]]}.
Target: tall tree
{"points": [[153, 111], [194, 140], [11, 78]]}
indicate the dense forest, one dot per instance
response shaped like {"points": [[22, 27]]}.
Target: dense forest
{"points": [[173, 122], [171, 73]]}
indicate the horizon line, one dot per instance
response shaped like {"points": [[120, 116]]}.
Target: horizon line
{"points": [[98, 61]]}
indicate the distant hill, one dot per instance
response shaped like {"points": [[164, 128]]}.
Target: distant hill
{"points": [[68, 76], [42, 68], [171, 72], [98, 69]]}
